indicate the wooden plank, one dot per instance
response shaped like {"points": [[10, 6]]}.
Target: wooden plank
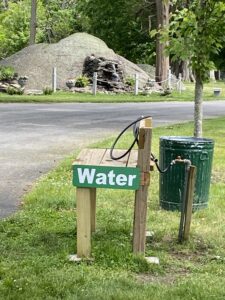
{"points": [[83, 196], [133, 157], [140, 210], [132, 161], [90, 157], [108, 161], [189, 201]]}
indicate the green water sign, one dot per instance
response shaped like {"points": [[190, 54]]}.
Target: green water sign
{"points": [[106, 177]]}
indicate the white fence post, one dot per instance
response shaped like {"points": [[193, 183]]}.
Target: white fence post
{"points": [[94, 86], [54, 79], [136, 84], [169, 78], [180, 83]]}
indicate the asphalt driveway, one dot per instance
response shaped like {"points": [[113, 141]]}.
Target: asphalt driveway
{"points": [[35, 137]]}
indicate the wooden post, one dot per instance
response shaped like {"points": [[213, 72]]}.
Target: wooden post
{"points": [[189, 201], [93, 209], [186, 208], [140, 210], [84, 196]]}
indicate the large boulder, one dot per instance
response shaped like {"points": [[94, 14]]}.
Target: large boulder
{"points": [[68, 56]]}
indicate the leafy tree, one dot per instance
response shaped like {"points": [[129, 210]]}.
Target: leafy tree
{"points": [[123, 24], [197, 34], [14, 28], [56, 19], [61, 20]]}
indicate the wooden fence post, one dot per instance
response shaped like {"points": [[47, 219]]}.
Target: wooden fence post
{"points": [[140, 209]]}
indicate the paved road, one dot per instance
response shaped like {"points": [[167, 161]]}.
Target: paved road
{"points": [[34, 137]]}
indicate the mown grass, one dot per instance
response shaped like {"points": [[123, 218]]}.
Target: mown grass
{"points": [[36, 241], [187, 95]]}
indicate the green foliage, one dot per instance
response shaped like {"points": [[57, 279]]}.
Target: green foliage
{"points": [[130, 81], [47, 91], [55, 20], [82, 81], [14, 91], [197, 33], [61, 19], [6, 72], [14, 28], [124, 26]]}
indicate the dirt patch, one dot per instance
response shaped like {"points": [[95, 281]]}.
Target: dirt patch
{"points": [[169, 278]]}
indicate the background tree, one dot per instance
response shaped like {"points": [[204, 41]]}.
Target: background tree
{"points": [[33, 22], [162, 61], [197, 34], [124, 25], [62, 19], [55, 20], [14, 28]]}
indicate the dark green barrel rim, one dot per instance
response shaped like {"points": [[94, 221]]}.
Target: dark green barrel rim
{"points": [[186, 139]]}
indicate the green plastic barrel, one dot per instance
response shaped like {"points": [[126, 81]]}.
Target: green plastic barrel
{"points": [[172, 183]]}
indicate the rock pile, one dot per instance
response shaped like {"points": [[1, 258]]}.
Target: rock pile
{"points": [[110, 73], [68, 56], [13, 86]]}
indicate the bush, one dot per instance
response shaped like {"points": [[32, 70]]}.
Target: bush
{"points": [[47, 91], [7, 73], [82, 81], [130, 81], [13, 91]]}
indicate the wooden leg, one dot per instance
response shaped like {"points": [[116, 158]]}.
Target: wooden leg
{"points": [[140, 214], [93, 209], [83, 222]]}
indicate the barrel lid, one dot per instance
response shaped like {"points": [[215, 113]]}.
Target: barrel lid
{"points": [[186, 139]]}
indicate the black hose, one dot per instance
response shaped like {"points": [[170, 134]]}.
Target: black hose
{"points": [[157, 165], [136, 133]]}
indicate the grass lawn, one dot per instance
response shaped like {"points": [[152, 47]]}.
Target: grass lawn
{"points": [[36, 241], [187, 95]]}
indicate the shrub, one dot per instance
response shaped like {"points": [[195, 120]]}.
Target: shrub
{"points": [[13, 91], [82, 81], [47, 91], [6, 72], [130, 81]]}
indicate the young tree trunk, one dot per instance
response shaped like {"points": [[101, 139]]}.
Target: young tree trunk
{"points": [[33, 22], [162, 61], [198, 115]]}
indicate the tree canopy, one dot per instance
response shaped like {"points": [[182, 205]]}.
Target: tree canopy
{"points": [[124, 25], [196, 33]]}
